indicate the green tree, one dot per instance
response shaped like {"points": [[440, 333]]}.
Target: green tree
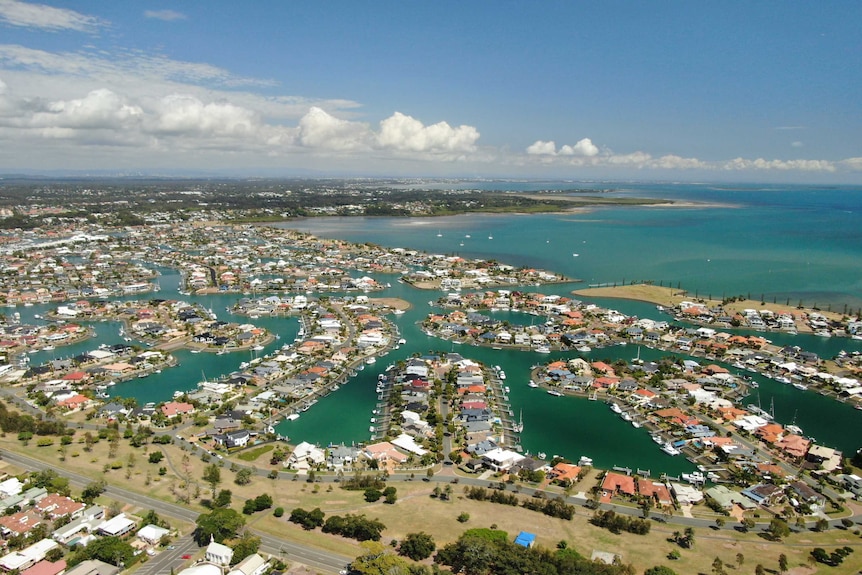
{"points": [[155, 456], [659, 570], [417, 546], [377, 561], [243, 476], [223, 498], [243, 547], [222, 524], [778, 529], [93, 490], [782, 563], [212, 475]]}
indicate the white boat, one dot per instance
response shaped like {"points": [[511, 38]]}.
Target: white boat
{"points": [[584, 349], [402, 341], [195, 351], [694, 477], [371, 360], [48, 348], [635, 423], [542, 455], [532, 384], [398, 311], [616, 408], [794, 429], [555, 393], [543, 349], [782, 379], [800, 386], [670, 449], [258, 348], [585, 461], [292, 417], [823, 333], [626, 416]]}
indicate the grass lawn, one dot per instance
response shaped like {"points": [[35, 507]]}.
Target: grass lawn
{"points": [[252, 454]]}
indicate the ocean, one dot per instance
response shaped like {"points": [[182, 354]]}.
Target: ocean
{"points": [[787, 244]]}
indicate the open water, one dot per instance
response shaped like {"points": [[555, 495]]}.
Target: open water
{"points": [[784, 244]]}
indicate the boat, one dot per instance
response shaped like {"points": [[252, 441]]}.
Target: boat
{"points": [[626, 416], [258, 348], [594, 396], [782, 379], [585, 461], [542, 455], [402, 341], [292, 417], [555, 393], [635, 423], [543, 349], [371, 360], [800, 386], [519, 427], [48, 348], [584, 349], [616, 408], [372, 429], [195, 351], [670, 449], [532, 384], [694, 477]]}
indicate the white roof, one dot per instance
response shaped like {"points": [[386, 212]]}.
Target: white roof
{"points": [[152, 532], [116, 524], [407, 443]]}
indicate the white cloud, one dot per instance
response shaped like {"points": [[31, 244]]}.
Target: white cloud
{"points": [[797, 144], [584, 148], [181, 114], [165, 15], [319, 129], [404, 133], [46, 17], [542, 148]]}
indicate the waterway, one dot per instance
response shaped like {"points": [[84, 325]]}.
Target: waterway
{"points": [[789, 245]]}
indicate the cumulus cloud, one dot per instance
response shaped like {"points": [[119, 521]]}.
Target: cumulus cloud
{"points": [[405, 133], [319, 129], [164, 15], [187, 115], [45, 17], [542, 148], [584, 148]]}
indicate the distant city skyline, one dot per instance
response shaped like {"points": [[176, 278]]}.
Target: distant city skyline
{"points": [[737, 91]]}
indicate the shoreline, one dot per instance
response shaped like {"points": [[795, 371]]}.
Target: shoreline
{"points": [[671, 297]]}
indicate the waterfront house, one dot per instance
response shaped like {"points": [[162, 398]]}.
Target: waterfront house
{"points": [[173, 408], [765, 494], [726, 499], [564, 473], [304, 456], [804, 493], [656, 491], [616, 483]]}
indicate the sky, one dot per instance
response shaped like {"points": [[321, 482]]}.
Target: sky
{"points": [[678, 90]]}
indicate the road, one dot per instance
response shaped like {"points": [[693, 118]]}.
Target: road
{"points": [[319, 560]]}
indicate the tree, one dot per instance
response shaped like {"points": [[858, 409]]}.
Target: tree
{"points": [[376, 561], [93, 490], [417, 546], [243, 476], [111, 550], [220, 524], [659, 570], [740, 559], [223, 498], [245, 546], [718, 566], [152, 518], [778, 529], [747, 523], [782, 563], [212, 475], [759, 569], [155, 456], [390, 493]]}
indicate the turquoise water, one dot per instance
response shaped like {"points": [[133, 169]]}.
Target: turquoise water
{"points": [[794, 244]]}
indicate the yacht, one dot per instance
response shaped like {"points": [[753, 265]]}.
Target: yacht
{"points": [[800, 386], [555, 393], [532, 384], [584, 349], [585, 461], [543, 349], [616, 408], [670, 449]]}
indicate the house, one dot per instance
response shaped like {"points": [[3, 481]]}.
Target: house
{"points": [[765, 494], [89, 519], [27, 557], [658, 492], [806, 494], [614, 483], [383, 452], [19, 523], [56, 505], [173, 408], [46, 567], [231, 439], [152, 534], [93, 567], [116, 526], [305, 455], [564, 473], [254, 564]]}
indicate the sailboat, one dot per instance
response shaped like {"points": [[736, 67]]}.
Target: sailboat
{"points": [[637, 360], [519, 427], [439, 235], [793, 428]]}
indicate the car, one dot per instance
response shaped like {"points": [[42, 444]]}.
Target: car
{"points": [[171, 547], [187, 556]]}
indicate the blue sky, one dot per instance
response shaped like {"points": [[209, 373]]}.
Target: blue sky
{"points": [[613, 90]]}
